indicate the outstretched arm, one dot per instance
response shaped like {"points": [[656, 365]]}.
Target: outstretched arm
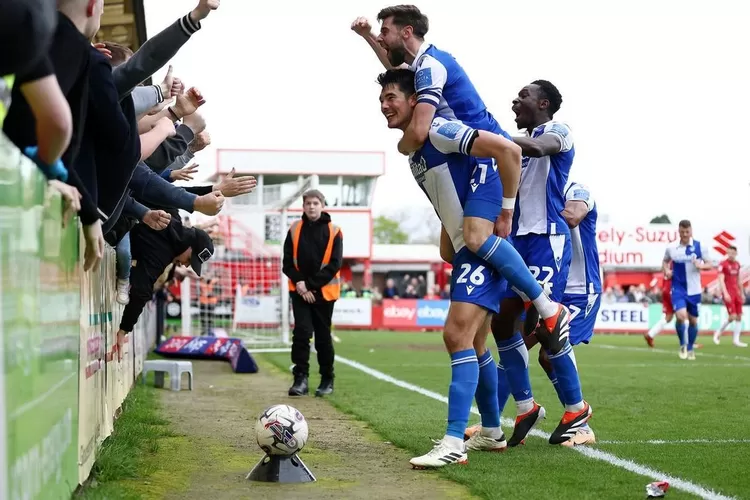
{"points": [[556, 138], [362, 27], [544, 145]]}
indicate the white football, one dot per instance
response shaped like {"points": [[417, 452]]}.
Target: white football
{"points": [[281, 430]]}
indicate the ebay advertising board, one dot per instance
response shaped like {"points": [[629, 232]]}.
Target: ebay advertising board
{"points": [[612, 318], [414, 313], [642, 246]]}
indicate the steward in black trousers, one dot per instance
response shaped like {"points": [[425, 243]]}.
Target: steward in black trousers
{"points": [[313, 254]]}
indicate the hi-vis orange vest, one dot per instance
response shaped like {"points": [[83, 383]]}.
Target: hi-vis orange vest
{"points": [[206, 293], [331, 291]]}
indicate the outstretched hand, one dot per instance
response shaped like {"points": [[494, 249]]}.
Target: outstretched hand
{"points": [[203, 9]]}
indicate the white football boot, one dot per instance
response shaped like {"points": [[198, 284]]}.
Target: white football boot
{"points": [[477, 442], [442, 454]]}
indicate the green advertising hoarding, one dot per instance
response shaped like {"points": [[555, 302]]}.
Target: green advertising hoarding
{"points": [[39, 335], [710, 316]]}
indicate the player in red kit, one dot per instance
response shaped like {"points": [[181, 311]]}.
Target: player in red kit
{"points": [[734, 296], [667, 309]]}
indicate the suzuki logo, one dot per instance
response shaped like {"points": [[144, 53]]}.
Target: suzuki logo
{"points": [[723, 241]]}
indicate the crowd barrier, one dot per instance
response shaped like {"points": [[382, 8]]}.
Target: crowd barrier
{"points": [[419, 314], [60, 389]]}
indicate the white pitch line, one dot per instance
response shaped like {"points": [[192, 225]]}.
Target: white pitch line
{"points": [[672, 352], [666, 364], [629, 465], [679, 441]]}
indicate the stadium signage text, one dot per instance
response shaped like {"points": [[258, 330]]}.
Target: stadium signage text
{"points": [[642, 246]]}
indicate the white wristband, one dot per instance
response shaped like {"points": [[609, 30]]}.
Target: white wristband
{"points": [[509, 203]]}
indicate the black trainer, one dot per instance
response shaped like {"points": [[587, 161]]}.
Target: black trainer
{"points": [[570, 423], [525, 423], [299, 388], [325, 388]]}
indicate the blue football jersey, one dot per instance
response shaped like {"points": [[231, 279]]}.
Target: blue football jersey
{"points": [[584, 276], [450, 177], [442, 82], [686, 277], [541, 194]]}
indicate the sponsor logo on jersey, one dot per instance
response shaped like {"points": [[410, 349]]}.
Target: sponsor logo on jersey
{"points": [[418, 167], [449, 130], [559, 129], [423, 79]]}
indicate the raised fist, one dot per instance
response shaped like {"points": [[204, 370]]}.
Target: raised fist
{"points": [[361, 26], [203, 9]]}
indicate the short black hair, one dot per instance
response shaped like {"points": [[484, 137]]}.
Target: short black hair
{"points": [[402, 78], [407, 15], [732, 247], [684, 223], [550, 92]]}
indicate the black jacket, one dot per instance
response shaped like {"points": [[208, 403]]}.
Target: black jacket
{"points": [[111, 133], [26, 31], [70, 57], [313, 240], [152, 251]]}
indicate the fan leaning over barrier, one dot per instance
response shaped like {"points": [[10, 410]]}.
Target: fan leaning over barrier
{"points": [[152, 252]]}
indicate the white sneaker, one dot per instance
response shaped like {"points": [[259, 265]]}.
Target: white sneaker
{"points": [[440, 456], [691, 356], [683, 352], [583, 436], [123, 292], [717, 338], [739, 344], [477, 442]]}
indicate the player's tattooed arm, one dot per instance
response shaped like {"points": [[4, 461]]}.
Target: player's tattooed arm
{"points": [[575, 211], [544, 145]]}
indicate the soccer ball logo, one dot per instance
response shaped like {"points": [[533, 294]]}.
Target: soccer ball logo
{"points": [[281, 430]]}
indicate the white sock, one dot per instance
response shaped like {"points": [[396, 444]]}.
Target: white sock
{"points": [[575, 408], [723, 327], [454, 442], [524, 406], [546, 307], [492, 432], [658, 327], [737, 331]]}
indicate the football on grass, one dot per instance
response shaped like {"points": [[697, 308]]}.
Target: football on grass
{"points": [[281, 430]]}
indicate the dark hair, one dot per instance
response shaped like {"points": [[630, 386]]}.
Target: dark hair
{"points": [[402, 78], [120, 53], [550, 92], [407, 15], [732, 247], [684, 223]]}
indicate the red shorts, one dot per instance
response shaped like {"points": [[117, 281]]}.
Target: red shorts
{"points": [[666, 304], [734, 304]]}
